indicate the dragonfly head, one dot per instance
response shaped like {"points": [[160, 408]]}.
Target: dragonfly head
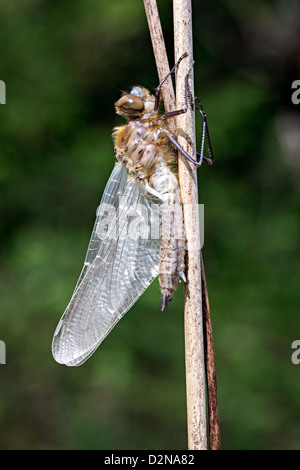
{"points": [[136, 103]]}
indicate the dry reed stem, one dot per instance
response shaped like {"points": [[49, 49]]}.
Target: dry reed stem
{"points": [[161, 57], [194, 340], [193, 322], [211, 372]]}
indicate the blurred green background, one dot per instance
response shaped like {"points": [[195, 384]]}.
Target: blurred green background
{"points": [[60, 61]]}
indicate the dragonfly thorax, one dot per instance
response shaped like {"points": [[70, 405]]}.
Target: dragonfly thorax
{"points": [[138, 146]]}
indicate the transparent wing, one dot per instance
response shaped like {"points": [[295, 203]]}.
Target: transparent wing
{"points": [[121, 262]]}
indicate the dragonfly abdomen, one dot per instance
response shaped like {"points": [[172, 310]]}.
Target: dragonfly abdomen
{"points": [[172, 249]]}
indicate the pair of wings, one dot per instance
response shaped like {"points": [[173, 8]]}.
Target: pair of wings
{"points": [[119, 265]]}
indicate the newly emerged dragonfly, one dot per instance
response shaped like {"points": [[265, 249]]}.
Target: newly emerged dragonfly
{"points": [[139, 230]]}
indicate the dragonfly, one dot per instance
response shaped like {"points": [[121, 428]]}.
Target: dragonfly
{"points": [[139, 228]]}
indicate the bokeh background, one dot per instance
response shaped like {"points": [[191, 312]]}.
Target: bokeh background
{"points": [[60, 61]]}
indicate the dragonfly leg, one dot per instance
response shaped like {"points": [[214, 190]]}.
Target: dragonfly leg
{"points": [[158, 89], [173, 139], [210, 161], [185, 108], [205, 131]]}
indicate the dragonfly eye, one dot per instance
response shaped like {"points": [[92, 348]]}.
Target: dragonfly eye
{"points": [[130, 103]]}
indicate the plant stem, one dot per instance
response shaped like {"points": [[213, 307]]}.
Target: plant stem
{"points": [[211, 373], [195, 342], [161, 57]]}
